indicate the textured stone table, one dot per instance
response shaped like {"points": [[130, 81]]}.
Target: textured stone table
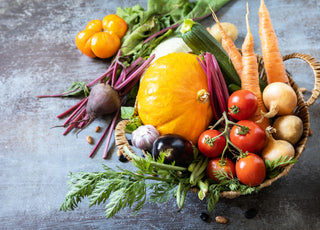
{"points": [[38, 55]]}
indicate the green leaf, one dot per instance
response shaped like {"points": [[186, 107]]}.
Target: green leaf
{"points": [[159, 15], [275, 167], [127, 112], [76, 88]]}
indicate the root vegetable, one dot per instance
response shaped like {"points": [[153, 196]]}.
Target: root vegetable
{"points": [[289, 128], [280, 99], [276, 149], [230, 29], [103, 99]]}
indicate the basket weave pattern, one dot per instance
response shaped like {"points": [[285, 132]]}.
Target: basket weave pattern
{"points": [[302, 111]]}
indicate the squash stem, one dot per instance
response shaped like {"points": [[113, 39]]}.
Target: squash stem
{"points": [[187, 25]]}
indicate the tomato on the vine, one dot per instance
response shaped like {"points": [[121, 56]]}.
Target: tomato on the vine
{"points": [[251, 169], [242, 104], [218, 165], [250, 137], [210, 145]]}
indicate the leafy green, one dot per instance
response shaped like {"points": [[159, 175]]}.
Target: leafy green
{"points": [[226, 184], [124, 188], [76, 88], [159, 15], [128, 113], [275, 167]]}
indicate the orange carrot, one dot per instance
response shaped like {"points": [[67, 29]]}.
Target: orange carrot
{"points": [[250, 75], [229, 46], [273, 61]]}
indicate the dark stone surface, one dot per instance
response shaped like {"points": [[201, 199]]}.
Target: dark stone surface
{"points": [[38, 56]]}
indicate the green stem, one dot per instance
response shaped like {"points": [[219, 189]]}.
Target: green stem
{"points": [[183, 196], [225, 133], [153, 163]]}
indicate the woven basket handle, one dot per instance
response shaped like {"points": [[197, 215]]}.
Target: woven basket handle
{"points": [[315, 65]]}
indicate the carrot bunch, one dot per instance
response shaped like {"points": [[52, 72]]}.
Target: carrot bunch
{"points": [[246, 64], [229, 46], [273, 62], [250, 75]]}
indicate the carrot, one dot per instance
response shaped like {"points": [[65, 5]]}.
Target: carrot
{"points": [[273, 61], [250, 75], [229, 46]]}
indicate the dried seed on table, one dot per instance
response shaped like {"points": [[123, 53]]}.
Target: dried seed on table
{"points": [[97, 129], [89, 139], [250, 213], [221, 219], [204, 216]]}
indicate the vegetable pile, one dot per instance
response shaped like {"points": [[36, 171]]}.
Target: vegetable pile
{"points": [[205, 121]]}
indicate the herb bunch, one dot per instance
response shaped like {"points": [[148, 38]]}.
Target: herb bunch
{"points": [[124, 188]]}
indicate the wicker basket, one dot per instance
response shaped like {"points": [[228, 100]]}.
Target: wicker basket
{"points": [[301, 111]]}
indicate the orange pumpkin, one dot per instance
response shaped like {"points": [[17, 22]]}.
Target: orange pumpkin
{"points": [[173, 96], [102, 38]]}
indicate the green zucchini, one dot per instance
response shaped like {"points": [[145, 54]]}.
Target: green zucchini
{"points": [[200, 40]]}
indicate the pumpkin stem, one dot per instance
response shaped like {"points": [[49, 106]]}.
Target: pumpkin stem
{"points": [[203, 96]]}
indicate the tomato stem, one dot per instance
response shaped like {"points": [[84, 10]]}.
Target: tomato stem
{"points": [[225, 133]]}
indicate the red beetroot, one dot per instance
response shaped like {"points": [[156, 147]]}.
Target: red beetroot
{"points": [[103, 99]]}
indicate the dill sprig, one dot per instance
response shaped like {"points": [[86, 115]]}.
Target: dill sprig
{"points": [[275, 167]]}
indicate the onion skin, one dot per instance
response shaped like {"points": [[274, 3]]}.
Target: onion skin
{"points": [[288, 128], [276, 148], [280, 99]]}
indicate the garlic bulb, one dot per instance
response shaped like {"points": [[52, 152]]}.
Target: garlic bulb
{"points": [[144, 136]]}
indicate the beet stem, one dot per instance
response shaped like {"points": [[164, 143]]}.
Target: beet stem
{"points": [[113, 123], [129, 86], [100, 140], [109, 70], [70, 127], [83, 122], [210, 74], [121, 77], [74, 121], [134, 74], [134, 64], [70, 109], [76, 111], [126, 71], [114, 74], [216, 87]]}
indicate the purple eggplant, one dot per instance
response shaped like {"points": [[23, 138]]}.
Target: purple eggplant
{"points": [[175, 147]]}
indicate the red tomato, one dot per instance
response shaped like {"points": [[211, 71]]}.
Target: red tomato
{"points": [[252, 138], [216, 165], [209, 147], [242, 104], [251, 170]]}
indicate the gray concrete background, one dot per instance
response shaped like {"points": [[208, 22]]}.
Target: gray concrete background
{"points": [[38, 56]]}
